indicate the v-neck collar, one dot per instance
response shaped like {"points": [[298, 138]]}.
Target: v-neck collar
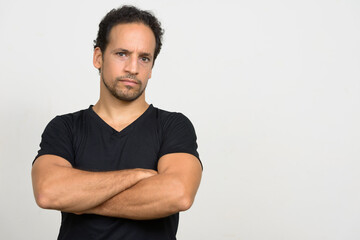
{"points": [[125, 130]]}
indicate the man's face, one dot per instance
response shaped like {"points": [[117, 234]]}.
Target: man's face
{"points": [[127, 61]]}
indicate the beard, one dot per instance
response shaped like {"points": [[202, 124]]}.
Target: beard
{"points": [[126, 93]]}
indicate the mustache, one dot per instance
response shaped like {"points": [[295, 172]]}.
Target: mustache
{"points": [[128, 76]]}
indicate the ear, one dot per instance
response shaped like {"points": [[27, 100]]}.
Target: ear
{"points": [[97, 58]]}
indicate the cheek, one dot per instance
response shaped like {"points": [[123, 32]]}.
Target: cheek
{"points": [[112, 69], [146, 71]]}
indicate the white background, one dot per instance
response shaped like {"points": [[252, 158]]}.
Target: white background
{"points": [[272, 88]]}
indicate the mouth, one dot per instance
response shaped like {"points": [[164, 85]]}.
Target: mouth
{"points": [[129, 81]]}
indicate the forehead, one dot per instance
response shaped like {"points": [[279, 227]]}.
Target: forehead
{"points": [[133, 37]]}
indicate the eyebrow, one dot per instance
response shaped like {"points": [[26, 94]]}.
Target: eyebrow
{"points": [[144, 54]]}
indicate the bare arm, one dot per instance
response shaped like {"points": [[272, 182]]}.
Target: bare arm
{"points": [[171, 191], [57, 185]]}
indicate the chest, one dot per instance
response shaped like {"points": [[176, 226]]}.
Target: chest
{"points": [[97, 150]]}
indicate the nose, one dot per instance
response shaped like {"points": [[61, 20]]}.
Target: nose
{"points": [[131, 65]]}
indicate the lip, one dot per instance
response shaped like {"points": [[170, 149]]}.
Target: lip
{"points": [[128, 81]]}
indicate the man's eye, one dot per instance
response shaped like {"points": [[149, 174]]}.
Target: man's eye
{"points": [[145, 59], [121, 54]]}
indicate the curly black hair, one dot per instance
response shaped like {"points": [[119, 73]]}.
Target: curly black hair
{"points": [[128, 14]]}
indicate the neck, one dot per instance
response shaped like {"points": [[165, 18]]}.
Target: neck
{"points": [[118, 113]]}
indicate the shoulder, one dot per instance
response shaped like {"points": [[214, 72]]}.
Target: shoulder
{"points": [[167, 118], [67, 122], [175, 124], [74, 115], [177, 132], [71, 118], [59, 135]]}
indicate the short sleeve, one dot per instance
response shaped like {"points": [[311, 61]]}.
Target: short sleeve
{"points": [[178, 136], [57, 140]]}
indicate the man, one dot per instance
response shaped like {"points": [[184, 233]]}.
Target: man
{"points": [[121, 169]]}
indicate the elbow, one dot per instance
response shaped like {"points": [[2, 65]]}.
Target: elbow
{"points": [[185, 203], [42, 201], [184, 199], [45, 199], [46, 194]]}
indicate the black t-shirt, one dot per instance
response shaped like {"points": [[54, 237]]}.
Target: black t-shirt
{"points": [[90, 144]]}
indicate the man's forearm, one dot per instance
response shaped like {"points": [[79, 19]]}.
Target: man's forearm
{"points": [[172, 190], [154, 197], [61, 187], [89, 189]]}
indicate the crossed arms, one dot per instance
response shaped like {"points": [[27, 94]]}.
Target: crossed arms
{"points": [[137, 194]]}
